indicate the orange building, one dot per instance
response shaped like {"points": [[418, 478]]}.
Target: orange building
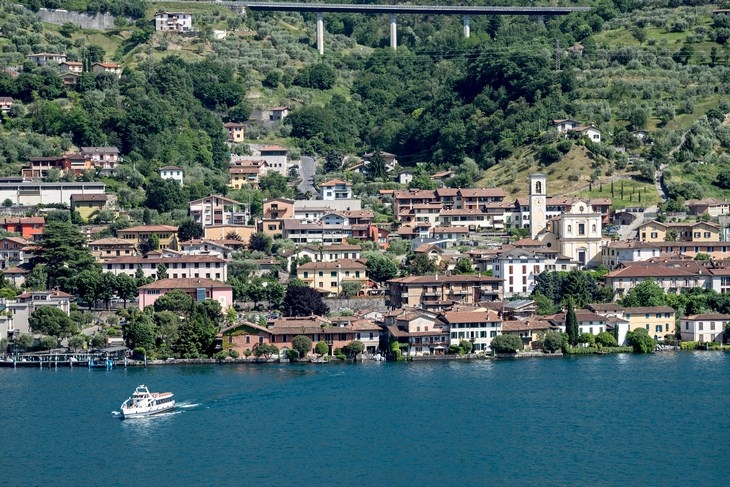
{"points": [[27, 227]]}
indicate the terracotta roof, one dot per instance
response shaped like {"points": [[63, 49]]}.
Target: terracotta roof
{"points": [[17, 240], [636, 270], [470, 316], [187, 283], [604, 307], [446, 279], [15, 270], [30, 220], [183, 258], [149, 228], [88, 197], [527, 325], [108, 65], [341, 263], [482, 193], [649, 309], [527, 242], [170, 168], [112, 241], [233, 125], [449, 230], [333, 248], [270, 148], [708, 316], [335, 182], [57, 294]]}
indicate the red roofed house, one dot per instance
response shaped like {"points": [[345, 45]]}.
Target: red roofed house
{"points": [[336, 189], [113, 68], [197, 288], [30, 228], [11, 251], [704, 328]]}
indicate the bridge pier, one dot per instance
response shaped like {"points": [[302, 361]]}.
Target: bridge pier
{"points": [[393, 33], [466, 26], [320, 33]]}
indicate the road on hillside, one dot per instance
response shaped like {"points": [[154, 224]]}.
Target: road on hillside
{"points": [[307, 170]]}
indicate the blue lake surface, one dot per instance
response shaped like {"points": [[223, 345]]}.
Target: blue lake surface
{"points": [[597, 420]]}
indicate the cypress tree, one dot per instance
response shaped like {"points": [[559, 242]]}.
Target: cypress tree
{"points": [[571, 324]]}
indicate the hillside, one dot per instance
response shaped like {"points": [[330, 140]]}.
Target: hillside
{"points": [[652, 65]]}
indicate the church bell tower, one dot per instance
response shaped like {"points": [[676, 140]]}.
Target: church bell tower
{"points": [[538, 195]]}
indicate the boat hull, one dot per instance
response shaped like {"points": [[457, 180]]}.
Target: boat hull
{"points": [[149, 411]]}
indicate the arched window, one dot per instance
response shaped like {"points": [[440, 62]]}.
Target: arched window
{"points": [[538, 187], [593, 228], [570, 228]]}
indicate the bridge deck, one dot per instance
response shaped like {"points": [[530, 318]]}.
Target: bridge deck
{"points": [[406, 9]]}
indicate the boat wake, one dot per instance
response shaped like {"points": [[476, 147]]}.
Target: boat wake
{"points": [[116, 413], [184, 405]]}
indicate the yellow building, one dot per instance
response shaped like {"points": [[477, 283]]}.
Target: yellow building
{"points": [[88, 205], [220, 232], [167, 234], [655, 231], [658, 321], [328, 277]]}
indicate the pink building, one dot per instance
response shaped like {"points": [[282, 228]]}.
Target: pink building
{"points": [[197, 288]]}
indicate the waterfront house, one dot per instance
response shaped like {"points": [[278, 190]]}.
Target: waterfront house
{"points": [[658, 321], [418, 331], [23, 306], [435, 292], [709, 327], [197, 288], [243, 337], [316, 328], [529, 331], [477, 327]]}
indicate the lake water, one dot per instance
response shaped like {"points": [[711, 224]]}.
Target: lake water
{"points": [[597, 420]]}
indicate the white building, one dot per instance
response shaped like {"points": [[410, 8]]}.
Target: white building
{"points": [[178, 266], [174, 21], [30, 193], [336, 189], [329, 253], [310, 233], [519, 268], [20, 309], [477, 327], [216, 209], [172, 172], [105, 158], [704, 327]]}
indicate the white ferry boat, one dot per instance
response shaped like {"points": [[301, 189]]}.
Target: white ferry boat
{"points": [[146, 403]]}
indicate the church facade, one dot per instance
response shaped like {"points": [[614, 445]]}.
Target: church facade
{"points": [[577, 233]]}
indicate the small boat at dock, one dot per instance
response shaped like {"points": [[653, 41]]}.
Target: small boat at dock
{"points": [[145, 403]]}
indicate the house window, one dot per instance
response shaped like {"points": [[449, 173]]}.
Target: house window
{"points": [[659, 328], [701, 327], [333, 284], [581, 229], [712, 325], [707, 234], [306, 274], [654, 235]]}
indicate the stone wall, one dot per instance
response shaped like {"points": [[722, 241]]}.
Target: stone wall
{"points": [[85, 21], [370, 303]]}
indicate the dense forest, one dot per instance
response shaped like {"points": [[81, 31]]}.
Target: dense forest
{"points": [[441, 99]]}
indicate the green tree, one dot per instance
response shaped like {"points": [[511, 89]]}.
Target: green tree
{"points": [[302, 344], [321, 348], [350, 289], [376, 168], [465, 346], [77, 341], [606, 339], [420, 265], [23, 342], [304, 301], [88, 286], [552, 342], [641, 341], [646, 293], [545, 306], [381, 268], [165, 195], [464, 266], [587, 338], [354, 347], [261, 242], [126, 288], [189, 230], [332, 161], [266, 350], [506, 344], [52, 321], [176, 301], [140, 331], [47, 342], [64, 253], [571, 324], [161, 271]]}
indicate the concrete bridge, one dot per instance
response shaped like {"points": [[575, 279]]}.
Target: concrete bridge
{"points": [[393, 10]]}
